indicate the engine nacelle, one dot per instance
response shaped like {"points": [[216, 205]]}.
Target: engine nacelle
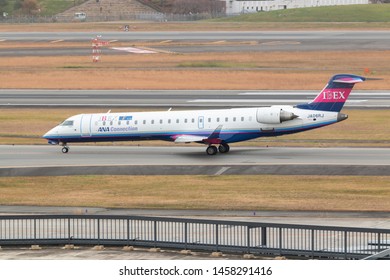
{"points": [[272, 115]]}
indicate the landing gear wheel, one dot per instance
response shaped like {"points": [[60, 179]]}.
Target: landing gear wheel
{"points": [[211, 150], [224, 148], [65, 150]]}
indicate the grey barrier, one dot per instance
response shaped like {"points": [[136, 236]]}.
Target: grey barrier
{"points": [[194, 234]]}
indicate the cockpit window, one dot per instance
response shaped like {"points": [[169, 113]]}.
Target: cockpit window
{"points": [[67, 123]]}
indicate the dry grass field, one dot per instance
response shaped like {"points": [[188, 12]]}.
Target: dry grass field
{"points": [[317, 193], [257, 70]]}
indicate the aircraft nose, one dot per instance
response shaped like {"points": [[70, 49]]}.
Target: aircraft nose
{"points": [[51, 132]]}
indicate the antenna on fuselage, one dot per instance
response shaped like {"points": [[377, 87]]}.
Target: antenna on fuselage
{"points": [[169, 109], [109, 111]]}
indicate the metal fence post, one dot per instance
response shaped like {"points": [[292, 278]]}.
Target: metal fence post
{"points": [[155, 232], [264, 236], [248, 238], [345, 243], [69, 237], [98, 230], [280, 241], [35, 230], [128, 231], [185, 235], [312, 243], [216, 237]]}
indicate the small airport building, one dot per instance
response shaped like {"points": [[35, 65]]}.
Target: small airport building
{"points": [[234, 7]]}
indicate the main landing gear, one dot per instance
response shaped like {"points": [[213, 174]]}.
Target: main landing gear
{"points": [[222, 148]]}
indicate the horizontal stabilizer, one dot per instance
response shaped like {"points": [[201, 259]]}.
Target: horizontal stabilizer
{"points": [[349, 80]]}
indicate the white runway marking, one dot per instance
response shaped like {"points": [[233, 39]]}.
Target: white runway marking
{"points": [[133, 50], [244, 100]]}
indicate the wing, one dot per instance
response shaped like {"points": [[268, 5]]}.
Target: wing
{"points": [[213, 138], [188, 139]]}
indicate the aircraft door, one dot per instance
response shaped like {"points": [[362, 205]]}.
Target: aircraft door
{"points": [[201, 122], [85, 126]]}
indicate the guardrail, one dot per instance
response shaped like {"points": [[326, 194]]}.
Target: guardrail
{"points": [[211, 235]]}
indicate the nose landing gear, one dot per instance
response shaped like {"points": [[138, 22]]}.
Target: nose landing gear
{"points": [[65, 148]]}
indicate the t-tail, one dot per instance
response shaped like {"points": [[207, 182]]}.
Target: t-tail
{"points": [[335, 93]]}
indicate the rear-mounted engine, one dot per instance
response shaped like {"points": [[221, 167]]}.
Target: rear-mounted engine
{"points": [[272, 115]]}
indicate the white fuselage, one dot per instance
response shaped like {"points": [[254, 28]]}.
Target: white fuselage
{"points": [[234, 125]]}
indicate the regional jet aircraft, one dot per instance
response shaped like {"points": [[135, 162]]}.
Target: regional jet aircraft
{"points": [[214, 128]]}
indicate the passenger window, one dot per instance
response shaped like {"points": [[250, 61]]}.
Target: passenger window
{"points": [[119, 122], [177, 120], [135, 122], [185, 120], [234, 119], [144, 121], [127, 122], [169, 120], [104, 122], [161, 121], [226, 119], [242, 119], [152, 122], [217, 119], [111, 122], [193, 120]]}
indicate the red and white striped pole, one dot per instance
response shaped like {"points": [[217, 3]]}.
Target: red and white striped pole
{"points": [[96, 44]]}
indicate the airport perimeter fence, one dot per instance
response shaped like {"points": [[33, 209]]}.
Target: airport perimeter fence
{"points": [[193, 234], [154, 17]]}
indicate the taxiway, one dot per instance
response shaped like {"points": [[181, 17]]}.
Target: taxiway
{"points": [[178, 98], [191, 160]]}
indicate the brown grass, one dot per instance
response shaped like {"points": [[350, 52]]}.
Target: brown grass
{"points": [[319, 193], [257, 70]]}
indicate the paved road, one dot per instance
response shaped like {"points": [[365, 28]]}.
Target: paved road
{"points": [[221, 40], [178, 160], [178, 98]]}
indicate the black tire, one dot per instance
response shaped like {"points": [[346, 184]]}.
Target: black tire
{"points": [[224, 148], [65, 150], [211, 150]]}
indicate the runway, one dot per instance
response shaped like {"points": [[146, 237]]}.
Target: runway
{"points": [[178, 98], [191, 160], [210, 41]]}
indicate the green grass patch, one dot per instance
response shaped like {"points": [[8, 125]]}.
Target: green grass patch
{"points": [[215, 64], [347, 13], [258, 192], [74, 67], [47, 7], [52, 7]]}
